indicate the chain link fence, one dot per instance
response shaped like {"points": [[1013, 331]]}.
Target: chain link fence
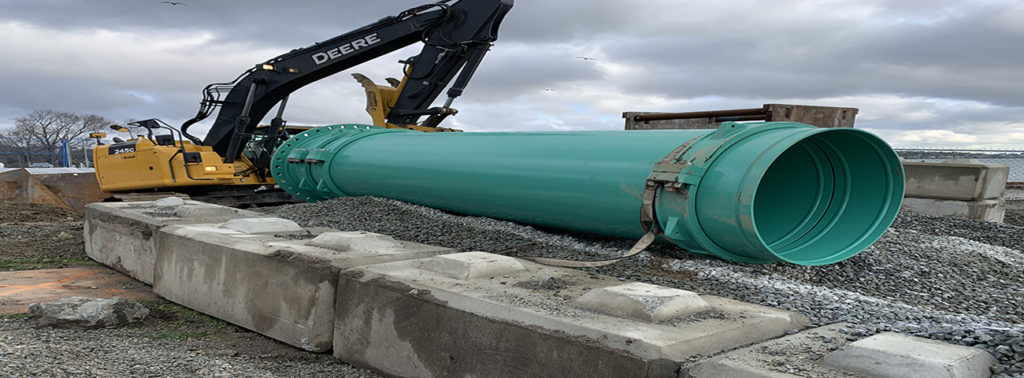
{"points": [[1012, 158], [22, 153]]}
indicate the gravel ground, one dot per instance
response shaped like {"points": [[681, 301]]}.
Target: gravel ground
{"points": [[953, 280], [136, 352], [1014, 195], [1015, 207]]}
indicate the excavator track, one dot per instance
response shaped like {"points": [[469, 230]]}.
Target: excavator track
{"points": [[244, 197]]}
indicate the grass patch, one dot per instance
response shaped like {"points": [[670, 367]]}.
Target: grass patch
{"points": [[13, 316], [170, 321], [32, 263]]}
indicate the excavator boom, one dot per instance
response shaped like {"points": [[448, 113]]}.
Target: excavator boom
{"points": [[455, 39]]}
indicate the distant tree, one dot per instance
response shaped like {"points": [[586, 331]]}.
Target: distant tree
{"points": [[43, 130]]}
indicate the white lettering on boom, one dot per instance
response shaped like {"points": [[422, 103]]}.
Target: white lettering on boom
{"points": [[348, 48]]}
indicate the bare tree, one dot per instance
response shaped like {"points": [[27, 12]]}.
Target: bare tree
{"points": [[43, 130]]}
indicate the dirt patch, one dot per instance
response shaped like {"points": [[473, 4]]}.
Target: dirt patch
{"points": [[40, 236], [20, 288], [42, 241], [21, 212]]}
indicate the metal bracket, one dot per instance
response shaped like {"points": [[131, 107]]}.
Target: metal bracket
{"points": [[665, 174]]}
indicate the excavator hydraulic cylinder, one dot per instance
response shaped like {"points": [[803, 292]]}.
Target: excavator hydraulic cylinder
{"points": [[746, 192]]}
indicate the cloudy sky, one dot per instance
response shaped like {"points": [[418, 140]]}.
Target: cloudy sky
{"points": [[933, 73]]}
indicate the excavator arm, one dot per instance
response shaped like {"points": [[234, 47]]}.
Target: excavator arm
{"points": [[456, 36]]}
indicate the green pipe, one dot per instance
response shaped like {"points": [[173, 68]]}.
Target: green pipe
{"points": [[754, 193]]}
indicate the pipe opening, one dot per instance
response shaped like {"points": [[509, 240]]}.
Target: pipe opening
{"points": [[827, 197]]}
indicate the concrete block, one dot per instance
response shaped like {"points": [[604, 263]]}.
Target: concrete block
{"points": [[205, 213], [646, 302], [355, 240], [282, 288], [790, 356], [120, 234], [990, 210], [404, 319], [169, 202], [896, 355], [262, 225], [966, 181], [473, 265]]}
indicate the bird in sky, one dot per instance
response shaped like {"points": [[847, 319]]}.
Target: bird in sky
{"points": [[173, 3], [585, 58]]}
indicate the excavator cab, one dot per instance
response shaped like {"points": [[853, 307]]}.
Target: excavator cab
{"points": [[155, 161], [261, 134]]}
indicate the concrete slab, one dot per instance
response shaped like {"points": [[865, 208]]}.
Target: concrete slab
{"points": [[120, 234], [790, 356], [18, 289], [990, 210], [965, 181], [895, 355], [282, 288], [405, 320]]}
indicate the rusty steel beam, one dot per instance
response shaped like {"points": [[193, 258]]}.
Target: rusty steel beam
{"points": [[705, 114]]}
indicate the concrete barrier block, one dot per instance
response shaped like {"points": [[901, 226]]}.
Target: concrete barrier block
{"points": [[896, 355], [966, 181], [990, 210], [646, 302], [262, 225], [356, 240], [473, 265], [206, 213], [282, 288], [169, 202], [120, 234], [790, 356], [408, 319]]}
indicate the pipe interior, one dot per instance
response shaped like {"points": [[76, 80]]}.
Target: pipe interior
{"points": [[827, 197]]}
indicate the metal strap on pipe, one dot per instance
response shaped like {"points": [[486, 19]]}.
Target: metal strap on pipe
{"points": [[665, 174]]}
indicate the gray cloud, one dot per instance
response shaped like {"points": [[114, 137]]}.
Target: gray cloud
{"points": [[909, 65]]}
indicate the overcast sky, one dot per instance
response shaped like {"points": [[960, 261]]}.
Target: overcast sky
{"points": [[932, 73]]}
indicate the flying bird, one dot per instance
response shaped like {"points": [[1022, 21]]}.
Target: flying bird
{"points": [[585, 58], [173, 3]]}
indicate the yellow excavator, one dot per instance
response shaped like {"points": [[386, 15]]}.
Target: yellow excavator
{"points": [[231, 164]]}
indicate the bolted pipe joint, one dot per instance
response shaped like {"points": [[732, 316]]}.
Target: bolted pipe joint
{"points": [[768, 192], [746, 192]]}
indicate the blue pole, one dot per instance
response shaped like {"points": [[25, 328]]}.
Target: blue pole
{"points": [[65, 154]]}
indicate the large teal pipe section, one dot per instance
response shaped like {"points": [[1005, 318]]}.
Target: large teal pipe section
{"points": [[746, 192]]}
